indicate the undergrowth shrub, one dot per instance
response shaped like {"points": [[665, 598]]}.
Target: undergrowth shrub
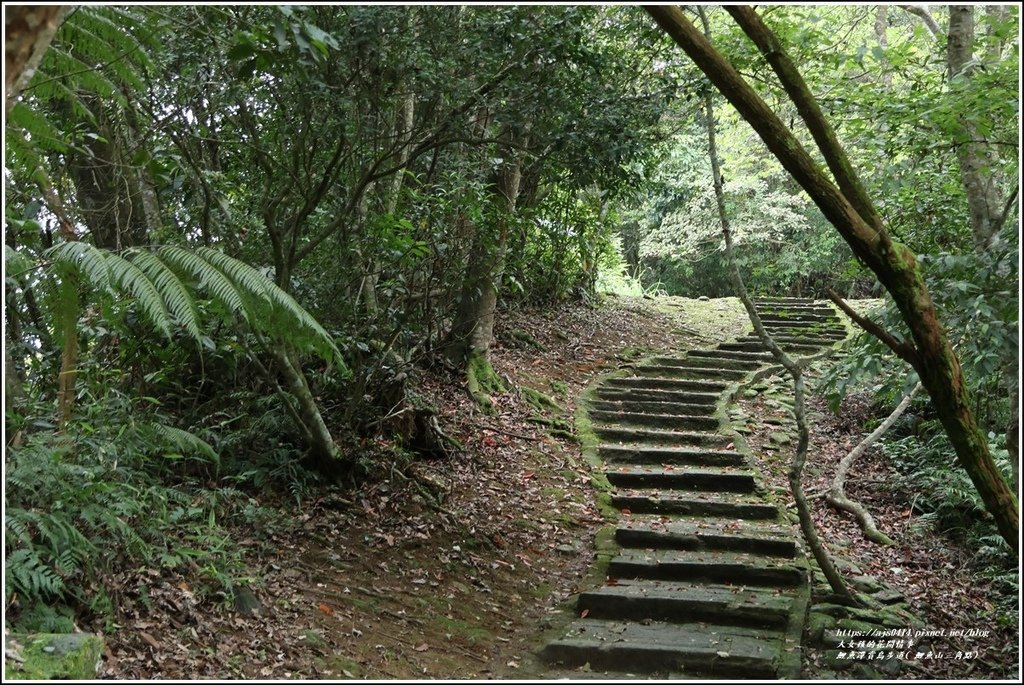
{"points": [[106, 498]]}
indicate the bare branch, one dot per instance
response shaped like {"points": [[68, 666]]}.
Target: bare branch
{"points": [[903, 350], [921, 11]]}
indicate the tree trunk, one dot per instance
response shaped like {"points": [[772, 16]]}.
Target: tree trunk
{"points": [[473, 330], [322, 448], [28, 30], [893, 263], [976, 163], [796, 467]]}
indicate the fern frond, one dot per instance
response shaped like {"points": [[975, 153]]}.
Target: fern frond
{"points": [[129, 277], [216, 283], [185, 442], [85, 259], [37, 127], [176, 296], [280, 301]]}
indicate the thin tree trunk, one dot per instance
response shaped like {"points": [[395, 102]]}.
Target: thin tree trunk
{"points": [[837, 493], [894, 264], [977, 166], [810, 533]]}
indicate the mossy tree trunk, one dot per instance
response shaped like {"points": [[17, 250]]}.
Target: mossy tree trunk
{"points": [[472, 332], [849, 210]]}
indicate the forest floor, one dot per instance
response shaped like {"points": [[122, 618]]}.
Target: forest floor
{"points": [[390, 582]]}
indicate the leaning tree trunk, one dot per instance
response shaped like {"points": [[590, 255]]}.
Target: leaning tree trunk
{"points": [[796, 467], [850, 211]]}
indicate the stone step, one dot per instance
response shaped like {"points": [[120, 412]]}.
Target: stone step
{"points": [[804, 301], [605, 392], [801, 318], [682, 602], [690, 372], [787, 330], [757, 346], [760, 537], [649, 647], [711, 566], [626, 435], [708, 362], [649, 407], [751, 357], [798, 310], [799, 328], [788, 342], [717, 504], [722, 479], [653, 383], [640, 454], [668, 421]]}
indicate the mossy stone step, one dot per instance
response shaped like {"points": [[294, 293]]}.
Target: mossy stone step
{"points": [[654, 383], [641, 454], [690, 648], [752, 357], [708, 362], [722, 479], [799, 313], [815, 333], [708, 534], [782, 299], [610, 393], [788, 341], [685, 602], [625, 435], [651, 407], [690, 372], [714, 566], [719, 504], [669, 421], [758, 346], [802, 320]]}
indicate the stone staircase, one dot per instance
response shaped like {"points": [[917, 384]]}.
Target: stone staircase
{"points": [[709, 579]]}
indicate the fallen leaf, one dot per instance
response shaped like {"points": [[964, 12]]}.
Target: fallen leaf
{"points": [[149, 639], [421, 648], [326, 609]]}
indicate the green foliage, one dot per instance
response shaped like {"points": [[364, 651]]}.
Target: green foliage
{"points": [[944, 494], [164, 285]]}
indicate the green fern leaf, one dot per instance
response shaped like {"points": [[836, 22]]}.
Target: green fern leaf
{"points": [[186, 442], [39, 129], [280, 302], [216, 283], [85, 259], [132, 279], [176, 296]]}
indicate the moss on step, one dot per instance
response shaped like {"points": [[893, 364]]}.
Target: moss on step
{"points": [[52, 656]]}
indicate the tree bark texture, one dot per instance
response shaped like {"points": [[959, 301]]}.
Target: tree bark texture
{"points": [[893, 263], [976, 162], [28, 30], [473, 330]]}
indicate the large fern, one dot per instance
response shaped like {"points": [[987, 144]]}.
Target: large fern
{"points": [[167, 283]]}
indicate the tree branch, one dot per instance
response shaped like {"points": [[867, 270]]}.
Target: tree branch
{"points": [[903, 350], [921, 11]]}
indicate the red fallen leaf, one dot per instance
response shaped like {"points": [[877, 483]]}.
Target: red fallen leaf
{"points": [[421, 648], [584, 613], [627, 512], [528, 475], [611, 581], [326, 609], [730, 446]]}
